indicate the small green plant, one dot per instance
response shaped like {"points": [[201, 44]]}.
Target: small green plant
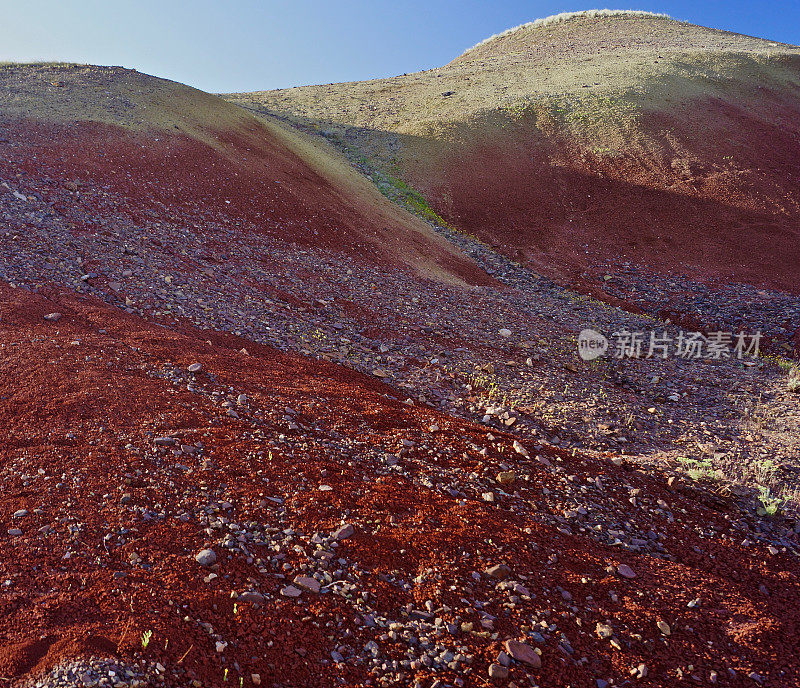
{"points": [[769, 502], [764, 471], [793, 382], [699, 469], [146, 637]]}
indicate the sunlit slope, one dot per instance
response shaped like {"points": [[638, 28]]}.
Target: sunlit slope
{"points": [[590, 141], [165, 146]]}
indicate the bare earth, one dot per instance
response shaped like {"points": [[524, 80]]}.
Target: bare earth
{"points": [[271, 418]]}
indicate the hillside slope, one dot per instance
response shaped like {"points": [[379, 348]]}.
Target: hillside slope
{"points": [[157, 144], [588, 144], [352, 538], [256, 431]]}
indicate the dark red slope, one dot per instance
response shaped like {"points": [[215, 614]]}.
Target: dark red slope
{"points": [[718, 200], [245, 176]]}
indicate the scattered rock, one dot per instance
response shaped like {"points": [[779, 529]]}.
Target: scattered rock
{"points": [[307, 583], [520, 449], [521, 652], [506, 477], [206, 557], [498, 671], [499, 571], [344, 532]]}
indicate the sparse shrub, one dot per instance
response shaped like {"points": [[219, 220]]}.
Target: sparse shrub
{"points": [[700, 469], [769, 502], [793, 382]]}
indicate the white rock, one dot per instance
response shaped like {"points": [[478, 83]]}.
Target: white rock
{"points": [[206, 557], [520, 449]]}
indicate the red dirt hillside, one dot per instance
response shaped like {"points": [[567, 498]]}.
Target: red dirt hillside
{"points": [[161, 145], [196, 514], [586, 143], [269, 420]]}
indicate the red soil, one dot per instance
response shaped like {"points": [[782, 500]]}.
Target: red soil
{"points": [[710, 193], [75, 393], [247, 178]]}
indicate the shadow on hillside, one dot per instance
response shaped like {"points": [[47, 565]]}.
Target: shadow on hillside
{"points": [[565, 214]]}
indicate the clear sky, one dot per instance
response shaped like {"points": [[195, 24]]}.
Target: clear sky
{"points": [[246, 45]]}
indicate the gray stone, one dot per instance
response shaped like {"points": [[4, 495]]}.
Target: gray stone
{"points": [[521, 652], [206, 557], [344, 532], [307, 583], [498, 671]]}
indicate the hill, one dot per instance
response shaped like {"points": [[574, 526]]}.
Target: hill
{"points": [[158, 144], [589, 143], [263, 427]]}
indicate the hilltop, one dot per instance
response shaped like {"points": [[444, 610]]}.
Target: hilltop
{"points": [[590, 145]]}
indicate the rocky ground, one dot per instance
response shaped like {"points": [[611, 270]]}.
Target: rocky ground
{"points": [[440, 344], [230, 459], [216, 512]]}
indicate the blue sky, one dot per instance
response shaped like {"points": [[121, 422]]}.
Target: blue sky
{"points": [[244, 45]]}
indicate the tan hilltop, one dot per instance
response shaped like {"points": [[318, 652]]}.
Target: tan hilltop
{"points": [[589, 140]]}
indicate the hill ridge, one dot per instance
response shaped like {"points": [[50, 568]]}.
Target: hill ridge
{"points": [[565, 16]]}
